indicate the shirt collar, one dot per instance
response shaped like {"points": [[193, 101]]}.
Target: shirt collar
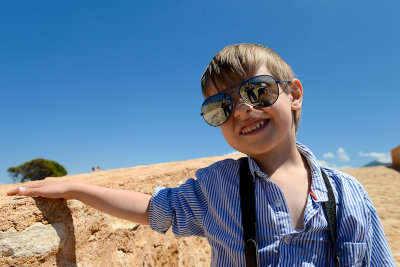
{"points": [[317, 184], [255, 170]]}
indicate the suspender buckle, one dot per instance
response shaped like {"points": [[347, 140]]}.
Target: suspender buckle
{"points": [[251, 253]]}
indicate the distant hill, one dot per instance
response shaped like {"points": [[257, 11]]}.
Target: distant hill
{"points": [[377, 163]]}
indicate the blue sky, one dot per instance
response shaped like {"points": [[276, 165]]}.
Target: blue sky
{"points": [[117, 83]]}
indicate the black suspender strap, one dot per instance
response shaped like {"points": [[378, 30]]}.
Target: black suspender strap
{"points": [[248, 208], [330, 209]]}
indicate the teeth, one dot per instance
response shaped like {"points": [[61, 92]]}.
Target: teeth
{"points": [[253, 127]]}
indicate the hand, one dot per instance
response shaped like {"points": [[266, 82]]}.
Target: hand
{"points": [[48, 189]]}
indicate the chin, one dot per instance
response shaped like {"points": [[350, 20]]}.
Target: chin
{"points": [[252, 152]]}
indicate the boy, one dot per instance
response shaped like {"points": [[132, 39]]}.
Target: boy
{"points": [[289, 190]]}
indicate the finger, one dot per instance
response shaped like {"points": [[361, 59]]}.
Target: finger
{"points": [[29, 191], [13, 191], [22, 190], [18, 190], [35, 184], [42, 191]]}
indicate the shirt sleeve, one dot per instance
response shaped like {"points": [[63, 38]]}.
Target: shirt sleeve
{"points": [[379, 253], [183, 208]]}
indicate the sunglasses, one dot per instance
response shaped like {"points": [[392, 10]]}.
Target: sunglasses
{"points": [[259, 91]]}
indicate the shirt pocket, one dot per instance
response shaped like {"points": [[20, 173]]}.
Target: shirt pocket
{"points": [[352, 254]]}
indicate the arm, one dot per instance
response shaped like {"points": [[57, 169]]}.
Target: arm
{"points": [[183, 208], [129, 205]]}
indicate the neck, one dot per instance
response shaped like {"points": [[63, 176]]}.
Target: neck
{"points": [[284, 157]]}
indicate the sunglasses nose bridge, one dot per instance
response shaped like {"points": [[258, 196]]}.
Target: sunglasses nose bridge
{"points": [[237, 98], [234, 91]]}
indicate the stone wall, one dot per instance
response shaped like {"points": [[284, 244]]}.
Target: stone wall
{"points": [[395, 152], [44, 232]]}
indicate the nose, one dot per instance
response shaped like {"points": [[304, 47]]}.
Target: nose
{"points": [[242, 111]]}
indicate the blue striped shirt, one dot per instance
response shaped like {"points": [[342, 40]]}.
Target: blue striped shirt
{"points": [[209, 206]]}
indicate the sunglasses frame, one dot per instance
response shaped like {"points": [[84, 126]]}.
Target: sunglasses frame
{"points": [[238, 91]]}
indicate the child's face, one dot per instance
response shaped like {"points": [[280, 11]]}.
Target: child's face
{"points": [[256, 131]]}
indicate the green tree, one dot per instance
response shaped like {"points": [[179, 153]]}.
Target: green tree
{"points": [[36, 169]]}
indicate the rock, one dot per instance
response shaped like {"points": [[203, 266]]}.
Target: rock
{"points": [[395, 152], [36, 239]]}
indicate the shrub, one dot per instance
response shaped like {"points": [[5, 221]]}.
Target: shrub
{"points": [[36, 169]]}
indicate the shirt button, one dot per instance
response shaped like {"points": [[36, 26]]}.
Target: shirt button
{"points": [[278, 203], [287, 239]]}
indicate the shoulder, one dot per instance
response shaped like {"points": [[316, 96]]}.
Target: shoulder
{"points": [[222, 167], [220, 174], [340, 177], [343, 183], [352, 199]]}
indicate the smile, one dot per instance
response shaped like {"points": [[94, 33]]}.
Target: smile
{"points": [[254, 127]]}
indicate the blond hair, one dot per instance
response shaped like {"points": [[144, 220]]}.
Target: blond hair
{"points": [[236, 63]]}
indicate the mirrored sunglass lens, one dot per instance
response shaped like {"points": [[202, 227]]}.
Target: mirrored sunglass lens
{"points": [[261, 91], [216, 109]]}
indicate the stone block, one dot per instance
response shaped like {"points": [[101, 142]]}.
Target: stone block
{"points": [[395, 152], [36, 239]]}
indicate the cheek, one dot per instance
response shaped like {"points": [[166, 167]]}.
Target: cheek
{"points": [[283, 108], [224, 130], [227, 132]]}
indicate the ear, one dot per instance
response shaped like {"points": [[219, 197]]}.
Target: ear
{"points": [[297, 94]]}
